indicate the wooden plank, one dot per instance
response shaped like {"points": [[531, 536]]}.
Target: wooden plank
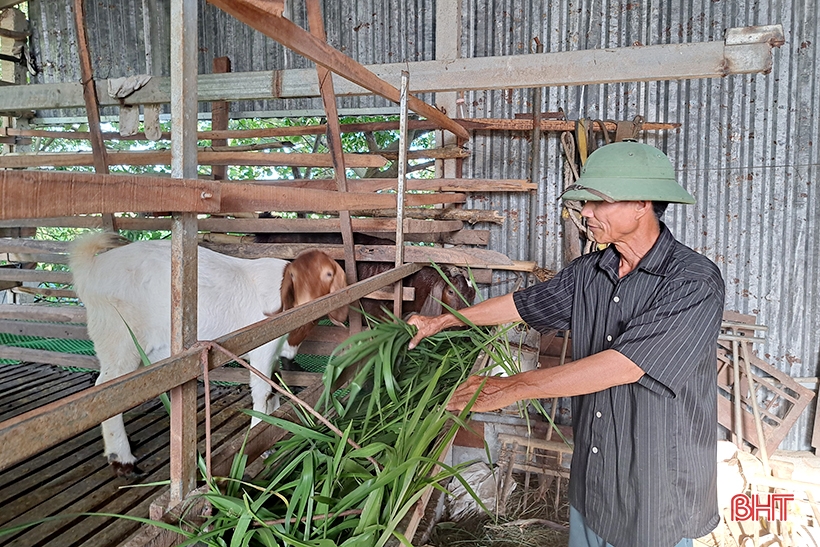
{"points": [[257, 14], [43, 330], [95, 489], [306, 225], [28, 355], [291, 378], [474, 124], [43, 312], [33, 194], [160, 157], [37, 276], [92, 107], [377, 253], [436, 185], [258, 197], [42, 291]]}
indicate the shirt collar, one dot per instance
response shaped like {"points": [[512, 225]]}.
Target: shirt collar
{"points": [[655, 261]]}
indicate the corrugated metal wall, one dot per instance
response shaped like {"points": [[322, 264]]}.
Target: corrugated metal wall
{"points": [[747, 146]]}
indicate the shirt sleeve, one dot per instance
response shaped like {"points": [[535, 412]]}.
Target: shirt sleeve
{"points": [[547, 305], [676, 335]]}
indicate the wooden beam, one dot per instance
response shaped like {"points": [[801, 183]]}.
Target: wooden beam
{"points": [[220, 111], [475, 258], [260, 225], [258, 15], [35, 194], [450, 213], [163, 157], [435, 185], [43, 330], [714, 59], [258, 197], [36, 276], [38, 312], [28, 355], [92, 106], [334, 142], [474, 124]]}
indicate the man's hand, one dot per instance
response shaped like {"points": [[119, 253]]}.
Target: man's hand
{"points": [[495, 394], [428, 326]]}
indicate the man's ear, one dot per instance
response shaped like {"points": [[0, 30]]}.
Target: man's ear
{"points": [[643, 208]]}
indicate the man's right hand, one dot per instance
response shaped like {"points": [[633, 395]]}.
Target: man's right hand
{"points": [[428, 326]]}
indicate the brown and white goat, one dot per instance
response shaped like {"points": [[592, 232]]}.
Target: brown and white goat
{"points": [[131, 285], [431, 290]]}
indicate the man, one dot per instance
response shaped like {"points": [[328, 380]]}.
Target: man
{"points": [[645, 314]]}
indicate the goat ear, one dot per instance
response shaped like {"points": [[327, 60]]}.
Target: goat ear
{"points": [[338, 316], [432, 305], [298, 335], [339, 278], [286, 292]]}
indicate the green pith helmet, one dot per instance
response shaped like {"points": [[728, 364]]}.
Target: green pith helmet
{"points": [[627, 171]]}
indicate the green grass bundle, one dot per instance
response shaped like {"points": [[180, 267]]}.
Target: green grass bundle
{"points": [[317, 489]]}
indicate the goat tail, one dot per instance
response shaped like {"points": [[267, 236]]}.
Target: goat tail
{"points": [[84, 249]]}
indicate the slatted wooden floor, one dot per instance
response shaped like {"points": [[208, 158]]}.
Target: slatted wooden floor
{"points": [[74, 477]]}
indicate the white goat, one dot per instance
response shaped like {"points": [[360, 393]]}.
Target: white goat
{"points": [[131, 285]]}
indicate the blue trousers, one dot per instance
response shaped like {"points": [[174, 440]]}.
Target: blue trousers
{"points": [[581, 536]]}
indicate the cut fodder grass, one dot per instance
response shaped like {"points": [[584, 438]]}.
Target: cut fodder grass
{"points": [[354, 483]]}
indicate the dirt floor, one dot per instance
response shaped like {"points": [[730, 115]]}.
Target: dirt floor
{"points": [[533, 517]]}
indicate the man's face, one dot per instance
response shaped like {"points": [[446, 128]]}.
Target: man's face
{"points": [[611, 222]]}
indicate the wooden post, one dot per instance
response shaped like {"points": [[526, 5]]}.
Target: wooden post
{"points": [[448, 47], [219, 118], [400, 184], [183, 242], [13, 20], [92, 105], [535, 173]]}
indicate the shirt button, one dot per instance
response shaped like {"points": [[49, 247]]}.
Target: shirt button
{"points": [[594, 449], [597, 414], [616, 299], [609, 338]]}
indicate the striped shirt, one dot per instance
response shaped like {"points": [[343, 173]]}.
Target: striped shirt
{"points": [[644, 464]]}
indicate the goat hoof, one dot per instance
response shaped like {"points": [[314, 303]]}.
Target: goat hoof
{"points": [[127, 470]]}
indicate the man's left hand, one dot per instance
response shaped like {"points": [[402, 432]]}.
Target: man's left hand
{"points": [[494, 395]]}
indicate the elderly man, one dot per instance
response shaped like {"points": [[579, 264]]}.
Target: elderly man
{"points": [[645, 314]]}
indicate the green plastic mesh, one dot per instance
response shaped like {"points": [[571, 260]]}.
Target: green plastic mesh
{"points": [[308, 363]]}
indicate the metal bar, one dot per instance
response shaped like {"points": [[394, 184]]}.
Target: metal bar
{"points": [[258, 15]]}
